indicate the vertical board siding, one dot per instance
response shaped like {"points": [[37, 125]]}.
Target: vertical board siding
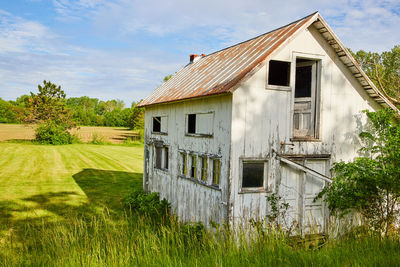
{"points": [[192, 201]]}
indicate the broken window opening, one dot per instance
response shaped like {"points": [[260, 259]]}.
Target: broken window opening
{"points": [[204, 167], [216, 171], [158, 163], [161, 158], [279, 73], [253, 174], [193, 168], [191, 123], [156, 124], [305, 98]]}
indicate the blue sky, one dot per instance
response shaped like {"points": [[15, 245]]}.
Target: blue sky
{"points": [[123, 48]]}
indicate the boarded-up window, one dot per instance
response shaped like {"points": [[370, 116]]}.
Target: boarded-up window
{"points": [[216, 171], [279, 73], [160, 124], [200, 123], [204, 168], [253, 174]]}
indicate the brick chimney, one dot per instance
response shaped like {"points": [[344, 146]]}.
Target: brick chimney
{"points": [[194, 58]]}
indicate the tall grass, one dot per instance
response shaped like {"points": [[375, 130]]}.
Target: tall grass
{"points": [[131, 240]]}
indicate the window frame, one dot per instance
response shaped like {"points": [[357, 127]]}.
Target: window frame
{"points": [[193, 158], [152, 124], [164, 157], [319, 59], [279, 87], [262, 189], [197, 134], [214, 172]]}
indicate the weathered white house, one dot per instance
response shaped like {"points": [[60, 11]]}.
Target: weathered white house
{"points": [[268, 115]]}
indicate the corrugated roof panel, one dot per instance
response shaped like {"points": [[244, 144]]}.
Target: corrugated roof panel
{"points": [[218, 72]]}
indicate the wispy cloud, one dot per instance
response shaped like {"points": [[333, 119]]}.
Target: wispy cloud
{"points": [[127, 46]]}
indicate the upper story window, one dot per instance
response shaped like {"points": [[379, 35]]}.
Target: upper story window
{"points": [[279, 73], [160, 124], [305, 117], [200, 124]]}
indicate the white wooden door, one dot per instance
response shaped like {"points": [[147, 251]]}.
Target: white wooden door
{"points": [[299, 189], [314, 212]]}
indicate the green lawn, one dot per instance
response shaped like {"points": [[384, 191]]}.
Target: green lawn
{"points": [[61, 206], [54, 183]]}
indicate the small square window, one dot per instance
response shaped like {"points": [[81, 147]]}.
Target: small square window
{"points": [[279, 73], [253, 174]]}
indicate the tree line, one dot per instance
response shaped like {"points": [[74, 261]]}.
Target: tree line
{"points": [[85, 111]]}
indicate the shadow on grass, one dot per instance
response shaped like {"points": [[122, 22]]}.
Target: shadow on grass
{"points": [[104, 190]]}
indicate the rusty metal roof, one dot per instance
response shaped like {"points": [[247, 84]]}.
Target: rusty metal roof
{"points": [[218, 72], [221, 71]]}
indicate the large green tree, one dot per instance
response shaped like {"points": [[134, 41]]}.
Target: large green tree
{"points": [[48, 109], [384, 70]]}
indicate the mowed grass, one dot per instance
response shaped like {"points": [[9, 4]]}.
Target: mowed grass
{"points": [[56, 182], [85, 133], [61, 206]]}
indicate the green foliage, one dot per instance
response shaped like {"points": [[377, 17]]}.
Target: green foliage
{"points": [[166, 78], [148, 204], [48, 109], [53, 134], [136, 118], [383, 69], [370, 184]]}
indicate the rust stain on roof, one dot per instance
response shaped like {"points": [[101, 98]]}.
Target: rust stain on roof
{"points": [[218, 72]]}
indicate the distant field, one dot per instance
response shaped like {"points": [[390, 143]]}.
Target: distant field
{"points": [[85, 133]]}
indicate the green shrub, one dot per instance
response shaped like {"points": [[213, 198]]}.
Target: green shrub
{"points": [[148, 204], [51, 133]]}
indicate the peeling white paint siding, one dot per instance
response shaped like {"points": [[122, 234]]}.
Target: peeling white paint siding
{"points": [[192, 201], [262, 119], [255, 122]]}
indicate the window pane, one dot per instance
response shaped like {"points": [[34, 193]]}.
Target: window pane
{"points": [[193, 170], [158, 157], [216, 171], [253, 174], [184, 164], [156, 124], [279, 73], [192, 123], [204, 169], [303, 81]]}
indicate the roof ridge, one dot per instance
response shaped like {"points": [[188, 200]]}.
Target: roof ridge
{"points": [[293, 22]]}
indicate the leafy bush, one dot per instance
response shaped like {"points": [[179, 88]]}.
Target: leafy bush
{"points": [[50, 133], [370, 184], [148, 204]]}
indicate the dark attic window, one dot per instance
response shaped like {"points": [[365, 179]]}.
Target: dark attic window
{"points": [[192, 123], [279, 73], [156, 124], [253, 174]]}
